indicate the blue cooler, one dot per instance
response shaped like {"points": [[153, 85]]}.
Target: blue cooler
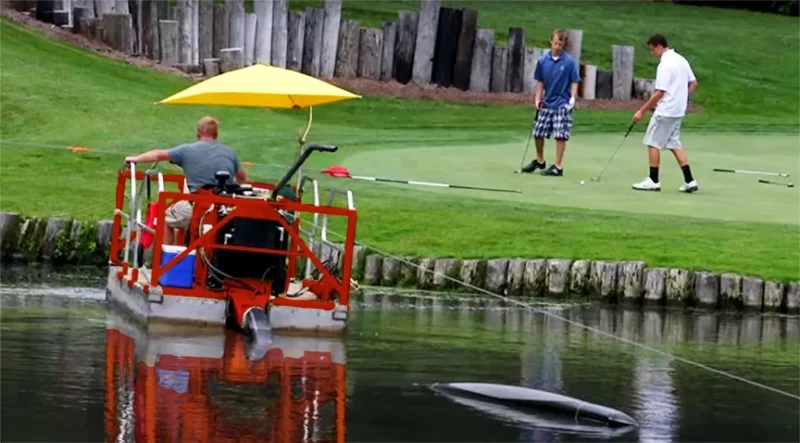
{"points": [[182, 274]]}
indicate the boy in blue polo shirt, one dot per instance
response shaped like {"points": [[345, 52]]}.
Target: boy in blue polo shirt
{"points": [[557, 79]]}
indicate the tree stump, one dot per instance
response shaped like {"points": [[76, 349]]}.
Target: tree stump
{"points": [[425, 42], [370, 51], [312, 45], [348, 48], [387, 57], [296, 40], [481, 71], [462, 70], [405, 45]]}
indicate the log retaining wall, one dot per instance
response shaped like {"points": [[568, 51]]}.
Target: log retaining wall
{"points": [[66, 241], [435, 44]]}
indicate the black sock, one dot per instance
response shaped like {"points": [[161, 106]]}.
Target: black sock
{"points": [[687, 174], [654, 174]]}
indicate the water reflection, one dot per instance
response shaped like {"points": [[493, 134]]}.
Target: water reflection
{"points": [[195, 385]]}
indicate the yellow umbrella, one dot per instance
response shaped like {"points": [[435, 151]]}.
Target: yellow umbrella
{"points": [[261, 86]]}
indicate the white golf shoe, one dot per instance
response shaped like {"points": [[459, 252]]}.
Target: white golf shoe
{"points": [[689, 187], [647, 185]]}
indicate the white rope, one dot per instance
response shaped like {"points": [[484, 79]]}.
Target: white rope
{"points": [[578, 324]]}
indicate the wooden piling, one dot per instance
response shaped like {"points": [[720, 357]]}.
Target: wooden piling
{"points": [[589, 82], [481, 70], [78, 12], [312, 46], [280, 17], [118, 32], [211, 67], [444, 54], [121, 7], [330, 38], [296, 40], [185, 31], [499, 69], [604, 88], [622, 63], [516, 59], [574, 44], [88, 11], [250, 23], [387, 56], [405, 45], [263, 9], [425, 41], [61, 18], [44, 10], [195, 32], [205, 29], [235, 23], [168, 41], [221, 23], [369, 54], [532, 56], [462, 70], [150, 46], [231, 59], [101, 8], [348, 48]]}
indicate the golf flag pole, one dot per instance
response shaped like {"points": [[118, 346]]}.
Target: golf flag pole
{"points": [[342, 172], [742, 171]]}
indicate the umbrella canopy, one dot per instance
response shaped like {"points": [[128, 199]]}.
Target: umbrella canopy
{"points": [[261, 86]]}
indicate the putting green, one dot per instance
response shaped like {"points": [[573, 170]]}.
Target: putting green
{"points": [[722, 196]]}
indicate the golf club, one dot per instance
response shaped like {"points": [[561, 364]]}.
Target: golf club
{"points": [[597, 179], [530, 135], [788, 185], [741, 171], [342, 172]]}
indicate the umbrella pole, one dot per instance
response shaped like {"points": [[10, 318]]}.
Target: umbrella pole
{"points": [[301, 142]]}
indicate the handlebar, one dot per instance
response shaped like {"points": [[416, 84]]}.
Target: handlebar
{"points": [[297, 164]]}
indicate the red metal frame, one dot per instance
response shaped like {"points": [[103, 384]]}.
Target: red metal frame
{"points": [[326, 288]]}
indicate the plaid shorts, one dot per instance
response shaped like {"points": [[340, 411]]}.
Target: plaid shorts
{"points": [[553, 122]]}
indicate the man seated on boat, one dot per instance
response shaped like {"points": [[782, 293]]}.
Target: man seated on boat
{"points": [[200, 161]]}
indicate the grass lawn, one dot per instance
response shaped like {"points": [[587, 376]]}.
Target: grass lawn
{"points": [[53, 96]]}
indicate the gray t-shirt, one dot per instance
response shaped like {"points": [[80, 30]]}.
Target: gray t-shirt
{"points": [[202, 159]]}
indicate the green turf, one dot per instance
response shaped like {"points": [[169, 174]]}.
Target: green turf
{"points": [[53, 96]]}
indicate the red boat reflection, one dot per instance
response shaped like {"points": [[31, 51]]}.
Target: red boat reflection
{"points": [[193, 385]]}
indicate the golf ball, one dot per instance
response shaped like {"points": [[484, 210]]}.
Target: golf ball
{"points": [[583, 182]]}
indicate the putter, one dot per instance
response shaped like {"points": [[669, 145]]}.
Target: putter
{"points": [[530, 135], [597, 179], [788, 185], [742, 171]]}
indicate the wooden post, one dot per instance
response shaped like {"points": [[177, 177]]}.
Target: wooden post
{"points": [[574, 43], [405, 45], [604, 88], [370, 51], [622, 63], [235, 23], [121, 7], [481, 70], [153, 37], [101, 8], [205, 28], [195, 32], [119, 32], [444, 59], [263, 9], [348, 48], [425, 42], [499, 69], [280, 17], [168, 40], [294, 51], [231, 59], [312, 45], [516, 59], [387, 57], [78, 12], [60, 18], [250, 23], [185, 31], [532, 56], [88, 6], [221, 22], [210, 67], [44, 10], [330, 39], [466, 42], [589, 82]]}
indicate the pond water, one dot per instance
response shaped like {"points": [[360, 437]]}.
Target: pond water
{"points": [[75, 370]]}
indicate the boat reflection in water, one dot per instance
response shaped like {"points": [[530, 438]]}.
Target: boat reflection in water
{"points": [[193, 384]]}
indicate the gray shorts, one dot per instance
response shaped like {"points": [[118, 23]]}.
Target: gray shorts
{"points": [[179, 215], [664, 132]]}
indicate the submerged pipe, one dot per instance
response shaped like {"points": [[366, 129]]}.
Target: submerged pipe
{"points": [[256, 323], [517, 396]]}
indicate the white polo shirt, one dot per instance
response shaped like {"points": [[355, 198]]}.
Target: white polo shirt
{"points": [[673, 76]]}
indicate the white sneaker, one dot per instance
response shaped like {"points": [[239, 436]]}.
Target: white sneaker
{"points": [[647, 185], [689, 187]]}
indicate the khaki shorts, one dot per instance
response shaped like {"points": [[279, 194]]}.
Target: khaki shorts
{"points": [[179, 215], [664, 132]]}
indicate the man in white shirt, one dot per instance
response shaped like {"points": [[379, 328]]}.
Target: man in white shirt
{"points": [[675, 81]]}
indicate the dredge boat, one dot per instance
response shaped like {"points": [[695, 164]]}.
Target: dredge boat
{"points": [[238, 258], [185, 384], [236, 262]]}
